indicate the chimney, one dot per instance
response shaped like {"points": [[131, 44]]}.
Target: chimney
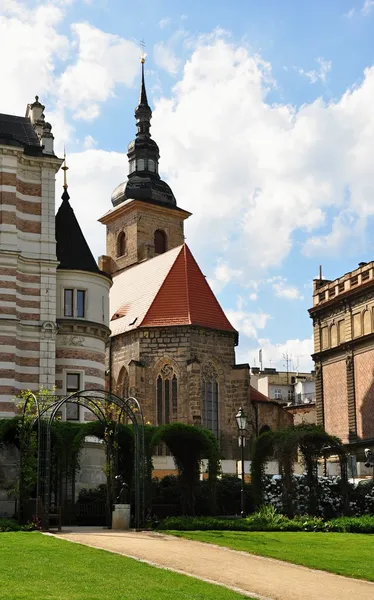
{"points": [[35, 113]]}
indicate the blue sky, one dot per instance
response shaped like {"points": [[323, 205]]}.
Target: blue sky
{"points": [[263, 114]]}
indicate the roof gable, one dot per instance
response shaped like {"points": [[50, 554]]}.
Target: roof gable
{"points": [[185, 298]]}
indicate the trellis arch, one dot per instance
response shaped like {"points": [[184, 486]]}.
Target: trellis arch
{"points": [[110, 410]]}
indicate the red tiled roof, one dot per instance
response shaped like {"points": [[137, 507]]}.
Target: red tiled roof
{"points": [[185, 298], [256, 396], [166, 290]]}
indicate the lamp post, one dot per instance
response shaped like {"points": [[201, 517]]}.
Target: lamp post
{"points": [[369, 459], [241, 421]]}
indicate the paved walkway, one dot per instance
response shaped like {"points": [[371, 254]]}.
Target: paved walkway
{"points": [[265, 578]]}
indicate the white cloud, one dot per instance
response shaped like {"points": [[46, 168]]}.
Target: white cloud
{"points": [[89, 142], [164, 22], [290, 292], [165, 57], [367, 7], [224, 274], [102, 61], [318, 75], [350, 13], [70, 72], [259, 171], [248, 323], [273, 355]]}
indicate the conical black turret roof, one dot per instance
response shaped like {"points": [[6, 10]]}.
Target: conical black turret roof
{"points": [[72, 250]]}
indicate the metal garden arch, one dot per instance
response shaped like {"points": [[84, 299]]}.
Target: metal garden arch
{"points": [[102, 404]]}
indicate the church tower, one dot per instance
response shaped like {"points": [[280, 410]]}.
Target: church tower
{"points": [[145, 220]]}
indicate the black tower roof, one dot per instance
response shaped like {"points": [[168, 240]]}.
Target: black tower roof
{"points": [[72, 249], [144, 182]]}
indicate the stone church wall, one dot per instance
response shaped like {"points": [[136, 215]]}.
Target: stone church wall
{"points": [[188, 350]]}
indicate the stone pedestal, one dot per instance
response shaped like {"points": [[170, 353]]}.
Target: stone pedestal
{"points": [[121, 516]]}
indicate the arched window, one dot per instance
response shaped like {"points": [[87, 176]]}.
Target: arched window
{"points": [[209, 391], [160, 241], [264, 429], [121, 244], [166, 395]]}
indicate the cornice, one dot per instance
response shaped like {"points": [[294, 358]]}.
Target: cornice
{"points": [[141, 206]]}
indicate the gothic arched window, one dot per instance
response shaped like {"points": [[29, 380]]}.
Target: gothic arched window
{"points": [[166, 395], [121, 244], [160, 241], [209, 390]]}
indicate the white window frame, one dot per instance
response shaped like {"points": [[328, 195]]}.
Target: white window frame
{"points": [[75, 302], [65, 373]]}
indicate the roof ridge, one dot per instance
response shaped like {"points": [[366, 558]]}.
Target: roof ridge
{"points": [[185, 248]]}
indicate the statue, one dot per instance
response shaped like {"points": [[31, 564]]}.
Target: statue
{"points": [[122, 490]]}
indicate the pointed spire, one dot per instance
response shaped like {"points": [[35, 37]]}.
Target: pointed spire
{"points": [[65, 168], [143, 100]]}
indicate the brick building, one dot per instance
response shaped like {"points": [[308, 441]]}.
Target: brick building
{"points": [[171, 344], [342, 313]]}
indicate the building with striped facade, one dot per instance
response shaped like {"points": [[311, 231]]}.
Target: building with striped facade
{"points": [[53, 297]]}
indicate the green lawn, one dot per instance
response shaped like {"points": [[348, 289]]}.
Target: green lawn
{"points": [[35, 567], [343, 553]]}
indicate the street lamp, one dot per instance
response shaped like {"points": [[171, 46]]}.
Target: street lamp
{"points": [[369, 459], [241, 421]]}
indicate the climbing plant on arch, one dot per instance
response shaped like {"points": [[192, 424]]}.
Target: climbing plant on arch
{"points": [[313, 443], [110, 411]]}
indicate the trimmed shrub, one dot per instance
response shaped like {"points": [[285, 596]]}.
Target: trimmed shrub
{"points": [[267, 519]]}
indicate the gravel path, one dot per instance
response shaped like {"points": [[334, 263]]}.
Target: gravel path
{"points": [[265, 578]]}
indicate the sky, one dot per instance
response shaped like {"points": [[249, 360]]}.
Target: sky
{"points": [[263, 112]]}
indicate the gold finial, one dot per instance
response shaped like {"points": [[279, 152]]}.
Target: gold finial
{"points": [[65, 168], [143, 54]]}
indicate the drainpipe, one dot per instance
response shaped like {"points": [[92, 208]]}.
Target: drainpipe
{"points": [[110, 364]]}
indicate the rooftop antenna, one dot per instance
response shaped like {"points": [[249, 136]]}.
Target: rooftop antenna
{"points": [[287, 360]]}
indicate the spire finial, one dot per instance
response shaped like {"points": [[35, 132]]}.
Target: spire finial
{"points": [[65, 168]]}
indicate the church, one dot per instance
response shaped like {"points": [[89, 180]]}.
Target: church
{"points": [[142, 322]]}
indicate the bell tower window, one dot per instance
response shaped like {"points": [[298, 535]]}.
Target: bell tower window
{"points": [[121, 244], [140, 164], [160, 241], [151, 165]]}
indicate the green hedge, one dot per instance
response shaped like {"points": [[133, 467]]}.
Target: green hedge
{"points": [[262, 522], [11, 525]]}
